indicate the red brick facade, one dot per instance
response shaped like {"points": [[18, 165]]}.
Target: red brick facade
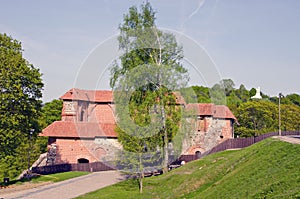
{"points": [[87, 129]]}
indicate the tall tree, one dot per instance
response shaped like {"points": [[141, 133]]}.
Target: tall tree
{"points": [[202, 94], [217, 94], [293, 98], [256, 117], [144, 78], [243, 93], [228, 85], [290, 115], [20, 94], [142, 43], [51, 112]]}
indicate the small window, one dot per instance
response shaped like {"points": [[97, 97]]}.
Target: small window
{"points": [[81, 116], [201, 125], [83, 160]]}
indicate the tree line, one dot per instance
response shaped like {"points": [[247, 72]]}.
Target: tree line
{"points": [[255, 116]]}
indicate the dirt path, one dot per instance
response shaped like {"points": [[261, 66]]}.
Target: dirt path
{"points": [[69, 188], [294, 139]]}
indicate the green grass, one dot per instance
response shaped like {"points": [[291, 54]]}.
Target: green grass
{"points": [[268, 169], [57, 177]]}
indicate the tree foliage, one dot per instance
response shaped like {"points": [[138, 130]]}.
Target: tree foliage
{"points": [[294, 99], [290, 114], [51, 111], [142, 43], [228, 86], [144, 79], [255, 117], [21, 89]]}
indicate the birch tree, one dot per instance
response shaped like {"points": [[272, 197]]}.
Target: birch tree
{"points": [[144, 79]]}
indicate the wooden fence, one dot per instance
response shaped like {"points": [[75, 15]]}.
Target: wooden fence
{"points": [[235, 143], [89, 167], [286, 133]]}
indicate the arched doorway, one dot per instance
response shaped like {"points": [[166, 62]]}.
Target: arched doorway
{"points": [[83, 160], [198, 154]]}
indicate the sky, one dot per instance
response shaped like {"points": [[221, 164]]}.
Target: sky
{"points": [[73, 42]]}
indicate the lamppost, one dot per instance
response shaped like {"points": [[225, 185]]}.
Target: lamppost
{"points": [[279, 114]]}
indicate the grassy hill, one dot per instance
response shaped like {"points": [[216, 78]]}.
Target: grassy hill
{"points": [[268, 169]]}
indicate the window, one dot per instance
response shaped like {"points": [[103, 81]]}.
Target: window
{"points": [[200, 124], [51, 140], [81, 115]]}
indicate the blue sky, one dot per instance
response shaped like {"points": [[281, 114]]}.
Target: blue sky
{"points": [[251, 42]]}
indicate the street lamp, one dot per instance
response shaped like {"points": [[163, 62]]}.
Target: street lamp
{"points": [[279, 114]]}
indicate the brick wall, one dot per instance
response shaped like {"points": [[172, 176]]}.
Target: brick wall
{"points": [[88, 112], [69, 150]]}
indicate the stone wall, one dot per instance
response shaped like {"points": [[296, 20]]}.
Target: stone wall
{"points": [[208, 132]]}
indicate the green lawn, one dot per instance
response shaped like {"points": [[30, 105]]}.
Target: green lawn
{"points": [[268, 169], [57, 177]]}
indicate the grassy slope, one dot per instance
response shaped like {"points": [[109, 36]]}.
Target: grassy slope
{"points": [[270, 168]]}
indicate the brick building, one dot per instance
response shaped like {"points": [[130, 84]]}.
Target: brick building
{"points": [[213, 124], [86, 132]]}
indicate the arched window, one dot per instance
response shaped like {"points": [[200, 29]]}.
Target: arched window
{"points": [[83, 160]]}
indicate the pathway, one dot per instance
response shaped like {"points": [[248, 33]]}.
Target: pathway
{"points": [[294, 139], [70, 188]]}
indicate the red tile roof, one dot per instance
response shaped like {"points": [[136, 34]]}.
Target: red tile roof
{"points": [[79, 130], [101, 95], [88, 95], [102, 123], [216, 111]]}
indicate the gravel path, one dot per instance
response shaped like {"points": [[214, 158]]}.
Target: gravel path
{"points": [[69, 188]]}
